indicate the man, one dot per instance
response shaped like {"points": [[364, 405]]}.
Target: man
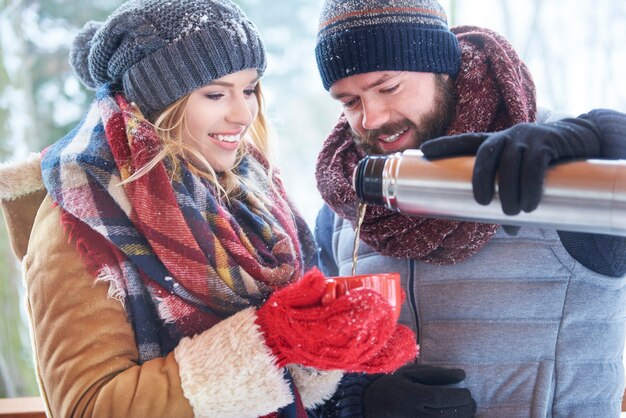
{"points": [[534, 317]]}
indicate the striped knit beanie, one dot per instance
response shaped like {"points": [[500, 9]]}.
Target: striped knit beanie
{"points": [[160, 50], [360, 36]]}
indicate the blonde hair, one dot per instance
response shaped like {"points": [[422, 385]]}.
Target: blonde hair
{"points": [[170, 124]]}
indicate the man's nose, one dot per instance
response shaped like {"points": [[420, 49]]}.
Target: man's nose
{"points": [[375, 114]]}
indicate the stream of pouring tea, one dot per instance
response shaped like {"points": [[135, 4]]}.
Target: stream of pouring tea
{"points": [[355, 249]]}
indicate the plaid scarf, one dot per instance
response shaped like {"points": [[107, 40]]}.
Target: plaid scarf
{"points": [[495, 90], [177, 257]]}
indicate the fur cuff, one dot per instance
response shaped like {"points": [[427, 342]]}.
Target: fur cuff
{"points": [[315, 386], [228, 371], [20, 178]]}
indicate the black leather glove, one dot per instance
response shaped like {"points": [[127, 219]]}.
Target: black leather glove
{"points": [[418, 391], [519, 156]]}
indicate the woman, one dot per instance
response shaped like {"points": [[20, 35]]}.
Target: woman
{"points": [[153, 258]]}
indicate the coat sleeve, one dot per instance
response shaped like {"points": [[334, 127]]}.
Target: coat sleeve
{"points": [[603, 254], [324, 238], [87, 359]]}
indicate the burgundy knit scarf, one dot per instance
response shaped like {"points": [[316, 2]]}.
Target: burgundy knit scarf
{"points": [[495, 90]]}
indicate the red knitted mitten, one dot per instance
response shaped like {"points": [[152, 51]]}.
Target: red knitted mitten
{"points": [[343, 335], [399, 350]]}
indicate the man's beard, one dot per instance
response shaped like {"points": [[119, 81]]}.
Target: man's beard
{"points": [[434, 124]]}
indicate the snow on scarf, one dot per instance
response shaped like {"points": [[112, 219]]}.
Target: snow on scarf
{"points": [[178, 258], [495, 90]]}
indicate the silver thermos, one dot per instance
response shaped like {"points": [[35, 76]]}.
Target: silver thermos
{"points": [[583, 196]]}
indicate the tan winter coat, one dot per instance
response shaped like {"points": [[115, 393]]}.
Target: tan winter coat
{"points": [[85, 350]]}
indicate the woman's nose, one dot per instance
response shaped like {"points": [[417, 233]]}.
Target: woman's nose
{"points": [[241, 111]]}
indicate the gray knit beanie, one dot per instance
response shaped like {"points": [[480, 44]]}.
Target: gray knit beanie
{"points": [[360, 36], [161, 50]]}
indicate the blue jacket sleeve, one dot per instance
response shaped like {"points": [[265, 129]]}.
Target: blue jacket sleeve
{"points": [[324, 225], [604, 254]]}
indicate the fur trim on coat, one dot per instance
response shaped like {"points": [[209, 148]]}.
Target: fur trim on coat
{"points": [[20, 178]]}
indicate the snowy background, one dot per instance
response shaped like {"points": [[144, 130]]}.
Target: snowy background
{"points": [[574, 49]]}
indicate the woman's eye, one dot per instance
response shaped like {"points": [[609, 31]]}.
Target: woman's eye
{"points": [[249, 92], [214, 96]]}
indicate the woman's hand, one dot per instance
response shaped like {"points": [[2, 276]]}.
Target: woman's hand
{"points": [[356, 332]]}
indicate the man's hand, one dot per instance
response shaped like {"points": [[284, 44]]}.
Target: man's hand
{"points": [[418, 391], [519, 157]]}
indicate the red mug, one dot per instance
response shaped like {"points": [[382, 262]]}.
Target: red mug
{"points": [[386, 284]]}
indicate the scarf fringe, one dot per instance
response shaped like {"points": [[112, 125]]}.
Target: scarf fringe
{"points": [[95, 260], [86, 252], [117, 290], [165, 313]]}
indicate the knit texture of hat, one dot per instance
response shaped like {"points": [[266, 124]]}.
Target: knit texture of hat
{"points": [[160, 50], [361, 36]]}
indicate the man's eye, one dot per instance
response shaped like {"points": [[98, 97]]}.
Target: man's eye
{"points": [[390, 89], [350, 103]]}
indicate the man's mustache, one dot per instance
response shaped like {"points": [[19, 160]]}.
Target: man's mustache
{"points": [[389, 129]]}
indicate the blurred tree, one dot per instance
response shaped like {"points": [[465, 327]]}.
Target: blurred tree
{"points": [[4, 111], [299, 108], [52, 99], [36, 89], [452, 11], [17, 377]]}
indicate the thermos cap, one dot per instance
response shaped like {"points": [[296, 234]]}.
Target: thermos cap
{"points": [[368, 179]]}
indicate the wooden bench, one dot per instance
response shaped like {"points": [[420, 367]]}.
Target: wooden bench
{"points": [[33, 407], [22, 408]]}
